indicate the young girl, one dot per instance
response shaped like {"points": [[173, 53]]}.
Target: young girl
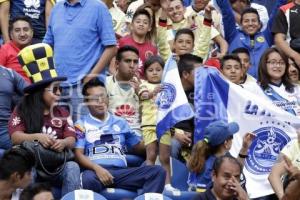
{"points": [[148, 90], [140, 37], [274, 80]]}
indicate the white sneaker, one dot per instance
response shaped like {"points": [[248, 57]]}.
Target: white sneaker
{"points": [[170, 188]]}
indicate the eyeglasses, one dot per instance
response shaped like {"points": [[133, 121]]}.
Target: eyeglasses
{"points": [[274, 62], [54, 89], [97, 98]]}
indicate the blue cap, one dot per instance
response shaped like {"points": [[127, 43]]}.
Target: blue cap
{"points": [[217, 132]]}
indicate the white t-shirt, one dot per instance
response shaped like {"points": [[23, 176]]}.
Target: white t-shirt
{"points": [[16, 194], [124, 103]]}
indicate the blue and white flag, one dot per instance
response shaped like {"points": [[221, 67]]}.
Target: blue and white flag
{"points": [[218, 99], [172, 102]]}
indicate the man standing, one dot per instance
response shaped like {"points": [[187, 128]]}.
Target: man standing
{"points": [[83, 39], [21, 33], [101, 141]]}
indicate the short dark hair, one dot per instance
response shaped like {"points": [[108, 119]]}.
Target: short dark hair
{"points": [[250, 10], [29, 192], [241, 50], [230, 57], [186, 62], [234, 1], [153, 59], [220, 160], [184, 31], [94, 82], [17, 160], [19, 18], [124, 49], [139, 12]]}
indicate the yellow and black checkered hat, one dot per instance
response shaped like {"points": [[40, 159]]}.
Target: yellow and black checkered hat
{"points": [[37, 61]]}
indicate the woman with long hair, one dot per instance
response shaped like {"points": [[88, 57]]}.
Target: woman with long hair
{"points": [[274, 80], [217, 142], [38, 118]]}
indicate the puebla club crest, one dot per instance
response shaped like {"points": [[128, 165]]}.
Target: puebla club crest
{"points": [[166, 97], [265, 148]]}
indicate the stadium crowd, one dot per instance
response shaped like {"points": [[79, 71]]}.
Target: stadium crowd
{"points": [[83, 76]]}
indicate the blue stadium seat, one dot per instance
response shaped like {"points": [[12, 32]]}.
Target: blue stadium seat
{"points": [[148, 196], [179, 181], [83, 195], [118, 194]]}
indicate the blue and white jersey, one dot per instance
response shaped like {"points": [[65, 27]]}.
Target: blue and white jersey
{"points": [[105, 142], [288, 101]]}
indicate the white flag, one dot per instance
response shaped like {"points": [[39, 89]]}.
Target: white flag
{"points": [[219, 99]]}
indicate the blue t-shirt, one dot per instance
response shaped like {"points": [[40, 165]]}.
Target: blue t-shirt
{"points": [[79, 34], [105, 142], [11, 89], [202, 179], [35, 9]]}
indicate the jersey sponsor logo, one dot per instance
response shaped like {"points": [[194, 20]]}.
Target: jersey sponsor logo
{"points": [[125, 110], [107, 149], [266, 146], [32, 3], [107, 144]]}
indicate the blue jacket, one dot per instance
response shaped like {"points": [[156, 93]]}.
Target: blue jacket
{"points": [[237, 38]]}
